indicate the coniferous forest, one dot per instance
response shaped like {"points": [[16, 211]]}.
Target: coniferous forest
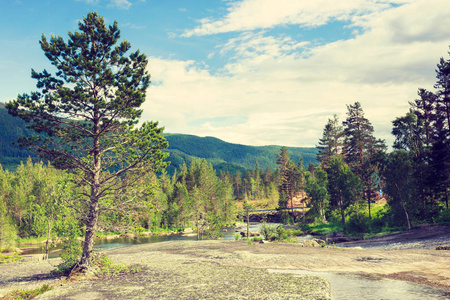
{"points": [[101, 173]]}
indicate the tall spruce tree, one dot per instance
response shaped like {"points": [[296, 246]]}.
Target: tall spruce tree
{"points": [[87, 112], [440, 152], [360, 148], [331, 142], [289, 178]]}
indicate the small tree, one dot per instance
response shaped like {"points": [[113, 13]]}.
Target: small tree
{"points": [[343, 186], [400, 185], [316, 188], [86, 115]]}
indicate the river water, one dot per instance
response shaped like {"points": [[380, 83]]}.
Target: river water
{"points": [[351, 286], [343, 285]]}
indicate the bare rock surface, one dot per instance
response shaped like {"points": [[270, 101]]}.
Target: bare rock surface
{"points": [[237, 270]]}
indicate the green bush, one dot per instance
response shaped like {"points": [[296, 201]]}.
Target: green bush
{"points": [[287, 219], [333, 216], [358, 225], [281, 233], [71, 250], [267, 231], [10, 258], [27, 294], [443, 217]]}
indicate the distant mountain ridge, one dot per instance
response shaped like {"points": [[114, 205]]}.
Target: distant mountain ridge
{"points": [[182, 148], [228, 156]]}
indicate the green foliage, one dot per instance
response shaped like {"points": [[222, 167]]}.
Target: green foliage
{"points": [[7, 230], [10, 130], [443, 217], [294, 232], [331, 142], [322, 229], [343, 186], [358, 225], [69, 231], [287, 219], [267, 230], [15, 257], [26, 294], [102, 266], [281, 233], [316, 189]]}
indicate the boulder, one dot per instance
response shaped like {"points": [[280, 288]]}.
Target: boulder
{"points": [[310, 243], [188, 230], [319, 241]]}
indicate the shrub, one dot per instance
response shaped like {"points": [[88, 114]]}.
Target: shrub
{"points": [[358, 225], [267, 231], [443, 217], [286, 218], [27, 294], [281, 234], [10, 258], [71, 249]]}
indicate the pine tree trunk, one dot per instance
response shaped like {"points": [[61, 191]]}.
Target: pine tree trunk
{"points": [[91, 228], [91, 224]]}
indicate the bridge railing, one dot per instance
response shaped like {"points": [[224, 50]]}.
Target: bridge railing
{"points": [[275, 210]]}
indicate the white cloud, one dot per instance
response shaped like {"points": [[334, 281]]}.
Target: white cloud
{"points": [[287, 89], [258, 14], [122, 4]]}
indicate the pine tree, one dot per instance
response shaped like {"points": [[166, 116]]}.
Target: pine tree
{"points": [[360, 147], [425, 109], [88, 111], [440, 151], [331, 142]]}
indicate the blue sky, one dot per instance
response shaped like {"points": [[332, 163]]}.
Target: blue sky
{"points": [[256, 72]]}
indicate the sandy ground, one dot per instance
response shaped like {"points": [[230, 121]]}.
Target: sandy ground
{"points": [[212, 265]]}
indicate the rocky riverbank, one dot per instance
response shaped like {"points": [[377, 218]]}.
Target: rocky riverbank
{"points": [[238, 270], [172, 270]]}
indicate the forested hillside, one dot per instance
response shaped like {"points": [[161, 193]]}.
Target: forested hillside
{"points": [[10, 129], [227, 156], [182, 148]]}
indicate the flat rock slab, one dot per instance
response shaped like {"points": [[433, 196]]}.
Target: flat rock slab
{"points": [[195, 280], [231, 270]]}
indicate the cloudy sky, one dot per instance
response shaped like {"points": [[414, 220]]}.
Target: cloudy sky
{"points": [[255, 72]]}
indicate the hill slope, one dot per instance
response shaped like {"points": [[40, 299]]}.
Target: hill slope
{"points": [[228, 156], [182, 148]]}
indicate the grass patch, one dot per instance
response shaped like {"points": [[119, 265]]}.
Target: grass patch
{"points": [[26, 294], [322, 229], [31, 240], [104, 266]]}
